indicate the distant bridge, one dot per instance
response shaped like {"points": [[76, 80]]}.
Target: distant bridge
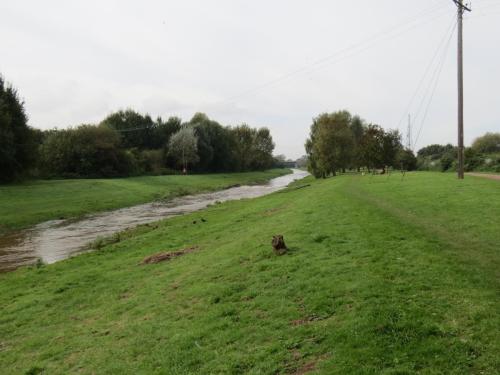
{"points": [[289, 164]]}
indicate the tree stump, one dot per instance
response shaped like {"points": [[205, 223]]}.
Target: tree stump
{"points": [[279, 246]]}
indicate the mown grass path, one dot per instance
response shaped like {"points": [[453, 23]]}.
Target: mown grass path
{"points": [[30, 203], [383, 276]]}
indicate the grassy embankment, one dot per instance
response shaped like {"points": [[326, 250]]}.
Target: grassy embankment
{"points": [[30, 203], [383, 276]]}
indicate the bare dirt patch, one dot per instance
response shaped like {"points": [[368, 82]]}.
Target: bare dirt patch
{"points": [[272, 211], [485, 175], [306, 320], [308, 366], [166, 256]]}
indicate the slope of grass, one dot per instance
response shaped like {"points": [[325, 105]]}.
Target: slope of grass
{"points": [[29, 203], [383, 276]]}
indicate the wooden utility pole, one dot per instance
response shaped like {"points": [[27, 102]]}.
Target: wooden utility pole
{"points": [[460, 70]]}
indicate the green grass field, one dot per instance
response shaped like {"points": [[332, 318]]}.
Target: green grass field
{"points": [[383, 276], [30, 203]]}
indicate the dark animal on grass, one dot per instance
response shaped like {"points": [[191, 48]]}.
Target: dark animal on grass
{"points": [[279, 246]]}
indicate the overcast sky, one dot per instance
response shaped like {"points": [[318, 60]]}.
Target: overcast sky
{"points": [[274, 63]]}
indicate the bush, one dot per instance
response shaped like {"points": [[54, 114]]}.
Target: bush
{"points": [[491, 163], [487, 144], [407, 160], [435, 152], [483, 156], [447, 161], [153, 161], [473, 160], [149, 162], [427, 163], [85, 151]]}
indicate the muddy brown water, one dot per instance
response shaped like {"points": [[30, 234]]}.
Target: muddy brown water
{"points": [[55, 240]]}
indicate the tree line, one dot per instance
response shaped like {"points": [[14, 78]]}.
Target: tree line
{"points": [[126, 143], [340, 141], [483, 155]]}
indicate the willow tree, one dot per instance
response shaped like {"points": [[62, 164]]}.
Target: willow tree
{"points": [[183, 147]]}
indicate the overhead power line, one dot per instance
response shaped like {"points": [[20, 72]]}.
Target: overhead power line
{"points": [[361, 46], [427, 71], [433, 85]]}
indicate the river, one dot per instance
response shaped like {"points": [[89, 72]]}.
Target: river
{"points": [[55, 240]]}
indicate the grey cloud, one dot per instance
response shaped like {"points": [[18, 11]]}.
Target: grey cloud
{"points": [[74, 62]]}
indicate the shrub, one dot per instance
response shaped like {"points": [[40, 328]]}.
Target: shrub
{"points": [[407, 160], [473, 160], [85, 151], [487, 144], [447, 161]]}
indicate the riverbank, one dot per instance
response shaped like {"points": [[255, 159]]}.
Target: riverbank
{"points": [[54, 240], [23, 205], [383, 275]]}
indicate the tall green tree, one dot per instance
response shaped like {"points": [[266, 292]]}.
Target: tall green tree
{"points": [[163, 130], [331, 143], [135, 129], [204, 130], [252, 148], [263, 146], [371, 148], [340, 141], [391, 147], [18, 146], [380, 148], [215, 144], [406, 160], [243, 136], [358, 127]]}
